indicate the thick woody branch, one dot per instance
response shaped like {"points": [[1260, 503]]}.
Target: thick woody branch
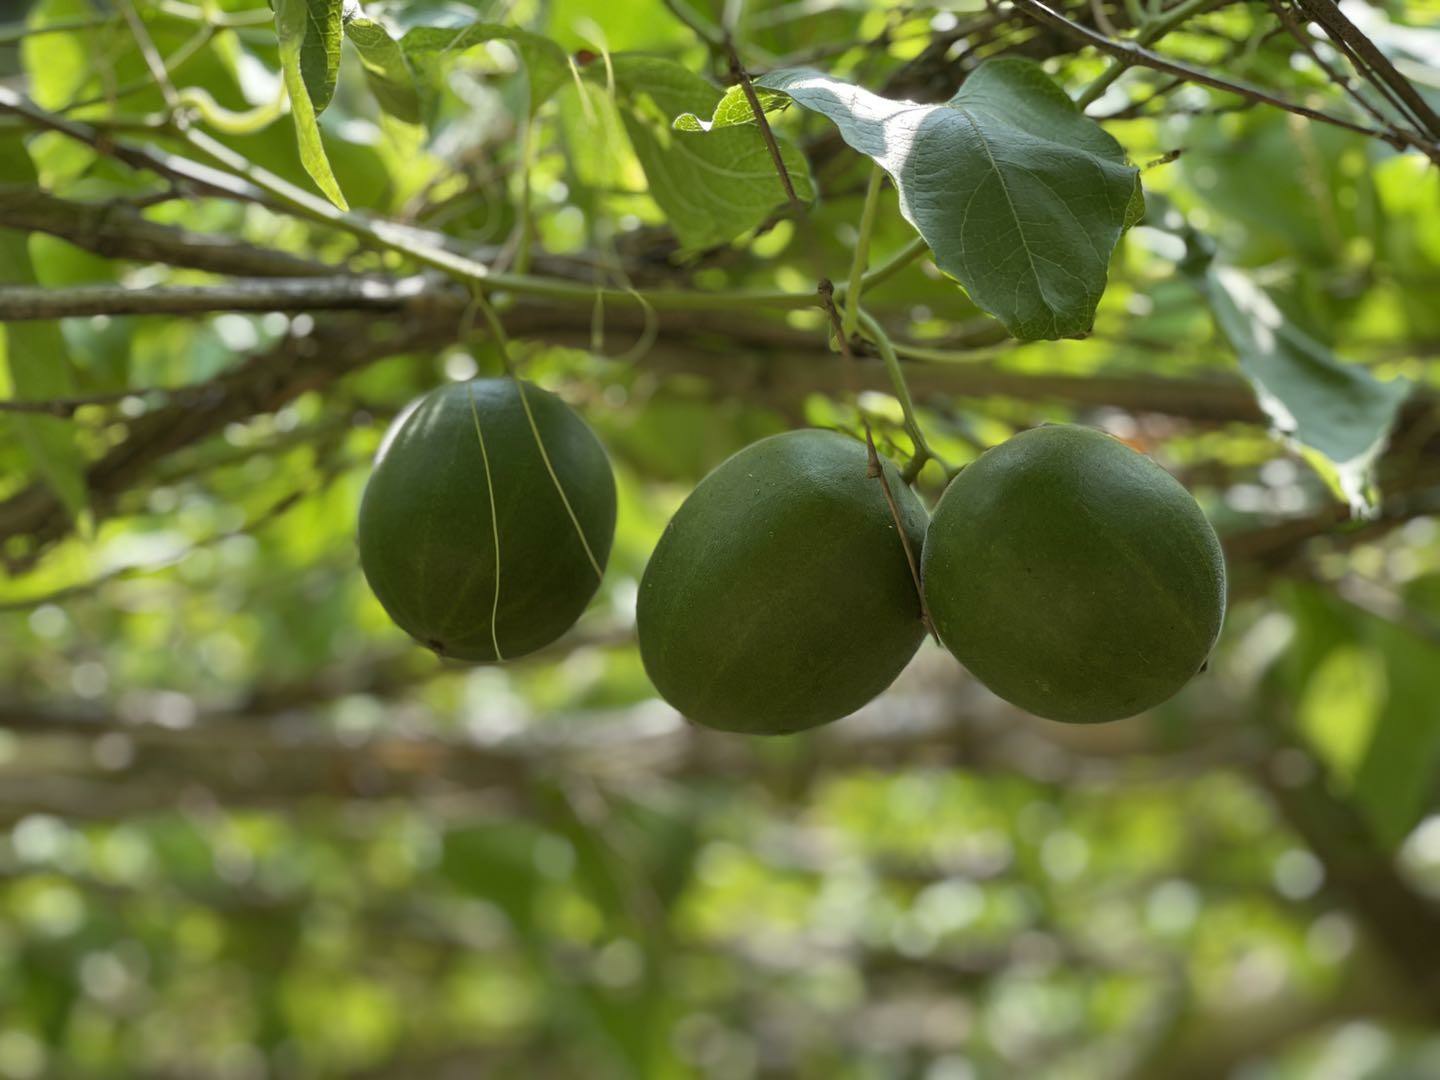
{"points": [[758, 359], [117, 230], [262, 384], [336, 293]]}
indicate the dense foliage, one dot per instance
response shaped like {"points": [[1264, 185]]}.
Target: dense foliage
{"points": [[250, 828]]}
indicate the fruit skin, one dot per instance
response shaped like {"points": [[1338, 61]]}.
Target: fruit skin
{"points": [[428, 538], [1073, 576], [778, 597]]}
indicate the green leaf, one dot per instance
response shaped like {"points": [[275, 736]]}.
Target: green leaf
{"points": [[35, 357], [320, 48], [1313, 398], [386, 68], [1020, 197], [546, 64], [734, 109], [711, 187], [1364, 693], [291, 20]]}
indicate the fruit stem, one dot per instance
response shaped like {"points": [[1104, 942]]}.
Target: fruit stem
{"points": [[862, 251], [876, 333], [878, 470]]}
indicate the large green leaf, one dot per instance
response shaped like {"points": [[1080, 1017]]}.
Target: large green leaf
{"points": [[1020, 197], [292, 27], [546, 64], [711, 187], [388, 71], [36, 359], [1335, 409]]}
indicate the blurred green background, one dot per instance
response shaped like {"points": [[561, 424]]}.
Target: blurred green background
{"points": [[248, 830]]}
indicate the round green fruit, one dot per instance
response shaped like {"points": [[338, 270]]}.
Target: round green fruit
{"points": [[487, 521], [1073, 576], [779, 596]]}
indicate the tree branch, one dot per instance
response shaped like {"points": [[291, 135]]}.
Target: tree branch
{"points": [[262, 384], [1371, 61], [739, 74], [418, 294], [1135, 54], [117, 230]]}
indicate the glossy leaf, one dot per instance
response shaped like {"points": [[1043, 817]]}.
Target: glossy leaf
{"points": [[1020, 197]]}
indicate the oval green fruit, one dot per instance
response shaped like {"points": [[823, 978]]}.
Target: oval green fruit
{"points": [[779, 596], [488, 519], [1073, 576]]}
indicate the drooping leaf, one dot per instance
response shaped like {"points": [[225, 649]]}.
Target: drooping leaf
{"points": [[734, 108], [386, 68], [1020, 197], [320, 49], [1335, 409], [292, 27], [711, 187], [36, 359], [546, 63]]}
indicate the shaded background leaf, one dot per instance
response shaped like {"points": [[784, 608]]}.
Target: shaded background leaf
{"points": [[36, 359]]}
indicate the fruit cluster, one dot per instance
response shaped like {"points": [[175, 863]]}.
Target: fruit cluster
{"points": [[1070, 574]]}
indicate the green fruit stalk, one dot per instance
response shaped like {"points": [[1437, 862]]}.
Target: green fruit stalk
{"points": [[779, 597], [487, 522], [1073, 576]]}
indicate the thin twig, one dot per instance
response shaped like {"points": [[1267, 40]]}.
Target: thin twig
{"points": [[276, 509], [737, 72], [234, 177], [826, 291], [1339, 78], [1136, 54], [15, 33], [151, 55], [1371, 61]]}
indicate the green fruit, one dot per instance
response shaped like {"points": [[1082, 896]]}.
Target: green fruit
{"points": [[1073, 576], [779, 596], [465, 535]]}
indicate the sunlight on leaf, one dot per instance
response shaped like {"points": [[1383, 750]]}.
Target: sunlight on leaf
{"points": [[291, 20], [1312, 397], [711, 187], [388, 71], [734, 108], [1020, 197]]}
